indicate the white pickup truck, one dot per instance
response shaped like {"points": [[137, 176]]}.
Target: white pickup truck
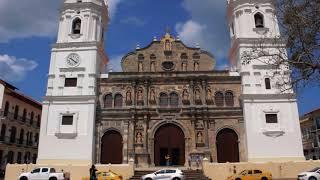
{"points": [[42, 173]]}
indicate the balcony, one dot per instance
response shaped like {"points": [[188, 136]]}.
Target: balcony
{"points": [[22, 120], [18, 142]]}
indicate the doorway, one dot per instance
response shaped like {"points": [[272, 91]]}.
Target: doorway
{"points": [[227, 146], [111, 148]]}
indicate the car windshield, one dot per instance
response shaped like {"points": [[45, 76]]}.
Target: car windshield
{"points": [[243, 172], [314, 170]]}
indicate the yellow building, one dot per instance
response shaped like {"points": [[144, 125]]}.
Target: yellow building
{"points": [[20, 124]]}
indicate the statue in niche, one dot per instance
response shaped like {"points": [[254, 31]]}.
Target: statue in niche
{"points": [[200, 137], [167, 45], [139, 138], [140, 95], [152, 95], [184, 66], [185, 95], [140, 67], [153, 68], [128, 95], [209, 94], [197, 95], [196, 66]]}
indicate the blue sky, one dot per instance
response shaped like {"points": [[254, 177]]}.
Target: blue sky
{"points": [[26, 38]]}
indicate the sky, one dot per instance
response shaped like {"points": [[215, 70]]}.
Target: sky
{"points": [[29, 28]]}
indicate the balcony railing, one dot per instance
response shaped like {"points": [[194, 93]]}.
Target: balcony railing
{"points": [[18, 142], [12, 117]]}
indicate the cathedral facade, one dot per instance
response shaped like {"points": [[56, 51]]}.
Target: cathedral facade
{"points": [[168, 102]]}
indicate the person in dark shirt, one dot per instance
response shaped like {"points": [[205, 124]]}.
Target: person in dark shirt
{"points": [[93, 171]]}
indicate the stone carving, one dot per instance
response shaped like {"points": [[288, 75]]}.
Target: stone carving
{"points": [[200, 137], [140, 97], [185, 96], [197, 96], [129, 96], [139, 138], [167, 45], [209, 97], [184, 66], [152, 67], [196, 66], [152, 96], [140, 67]]}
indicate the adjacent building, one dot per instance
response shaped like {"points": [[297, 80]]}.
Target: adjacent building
{"points": [[310, 131], [20, 118]]}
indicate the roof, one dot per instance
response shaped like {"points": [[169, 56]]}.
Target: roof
{"points": [[310, 113], [13, 91]]}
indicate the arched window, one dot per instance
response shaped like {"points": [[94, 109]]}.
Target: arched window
{"points": [[27, 157], [118, 99], [174, 99], [16, 112], [24, 115], [3, 132], [76, 26], [30, 139], [163, 99], [34, 158], [6, 109], [184, 56], [267, 83], [108, 101], [153, 57], [19, 158], [13, 134], [259, 20], [196, 56], [21, 139], [229, 98], [140, 57], [10, 157], [38, 120], [31, 118], [219, 99]]}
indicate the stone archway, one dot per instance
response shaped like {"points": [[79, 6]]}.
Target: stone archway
{"points": [[227, 146], [111, 148], [169, 139]]}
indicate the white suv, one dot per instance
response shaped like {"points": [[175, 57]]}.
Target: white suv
{"points": [[313, 174], [165, 174]]}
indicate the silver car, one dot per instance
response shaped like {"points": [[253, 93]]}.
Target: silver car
{"points": [[313, 174], [165, 174]]}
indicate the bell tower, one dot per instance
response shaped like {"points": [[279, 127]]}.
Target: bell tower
{"points": [[69, 107], [270, 114]]}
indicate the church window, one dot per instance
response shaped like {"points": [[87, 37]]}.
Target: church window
{"points": [[196, 56], [174, 99], [163, 99], [108, 101], [140, 57], [153, 57], [267, 83], [118, 99], [16, 112], [229, 99], [70, 82], [259, 20], [219, 99], [168, 65], [271, 118], [67, 120], [184, 56], [76, 26], [6, 109]]}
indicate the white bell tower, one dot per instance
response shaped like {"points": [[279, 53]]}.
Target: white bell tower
{"points": [[69, 107], [271, 116]]}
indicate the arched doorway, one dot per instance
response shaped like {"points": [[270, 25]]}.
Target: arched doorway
{"points": [[227, 146], [169, 140], [111, 148]]}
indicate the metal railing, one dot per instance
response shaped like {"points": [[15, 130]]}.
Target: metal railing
{"points": [[18, 141], [24, 120]]}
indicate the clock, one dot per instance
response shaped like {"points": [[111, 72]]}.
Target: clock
{"points": [[73, 60]]}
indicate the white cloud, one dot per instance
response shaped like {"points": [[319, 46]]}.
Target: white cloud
{"points": [[207, 26], [15, 69], [38, 18]]}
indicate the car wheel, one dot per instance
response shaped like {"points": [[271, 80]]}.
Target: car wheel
{"points": [[312, 178], [176, 178], [53, 178], [23, 178], [238, 179], [148, 179], [264, 178]]}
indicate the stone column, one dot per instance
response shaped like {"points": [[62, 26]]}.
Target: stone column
{"points": [[125, 142]]}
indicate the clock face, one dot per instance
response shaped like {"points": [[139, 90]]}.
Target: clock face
{"points": [[73, 60]]}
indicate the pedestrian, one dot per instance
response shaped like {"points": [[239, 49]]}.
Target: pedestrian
{"points": [[198, 161], [167, 157], [189, 161], [93, 171]]}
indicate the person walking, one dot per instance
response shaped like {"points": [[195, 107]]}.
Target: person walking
{"points": [[198, 161], [189, 161], [93, 171], [167, 157]]}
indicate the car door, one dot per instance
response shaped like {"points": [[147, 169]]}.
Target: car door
{"points": [[160, 175], [250, 175], [35, 174], [44, 175], [318, 174], [169, 174], [257, 174]]}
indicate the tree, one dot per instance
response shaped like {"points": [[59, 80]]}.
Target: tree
{"points": [[298, 47]]}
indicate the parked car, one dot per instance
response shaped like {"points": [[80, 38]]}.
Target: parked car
{"points": [[313, 174], [254, 174], [165, 174], [42, 173], [101, 175]]}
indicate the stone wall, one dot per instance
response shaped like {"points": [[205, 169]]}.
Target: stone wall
{"points": [[285, 170], [77, 172]]}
